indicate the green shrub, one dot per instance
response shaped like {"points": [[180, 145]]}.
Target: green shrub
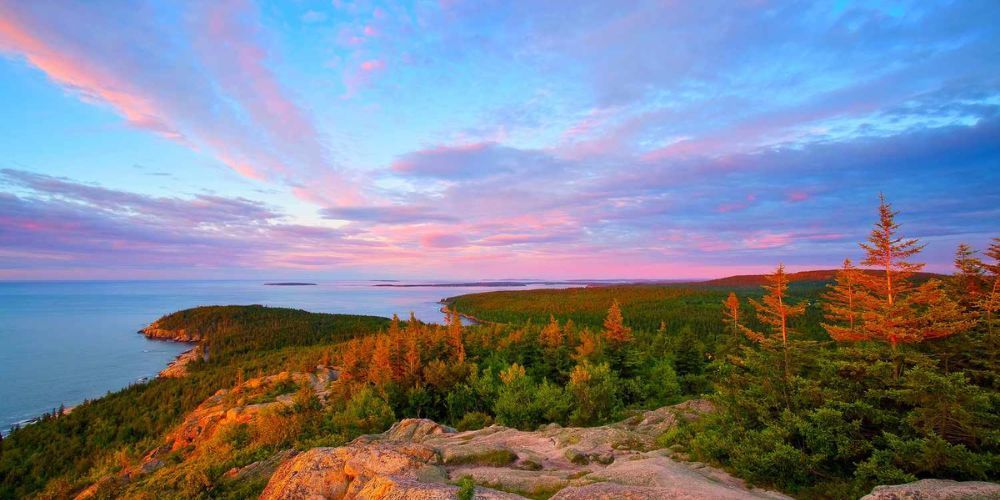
{"points": [[474, 420]]}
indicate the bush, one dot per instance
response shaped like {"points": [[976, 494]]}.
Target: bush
{"points": [[474, 420], [595, 394], [367, 412], [659, 385], [515, 400], [466, 488]]}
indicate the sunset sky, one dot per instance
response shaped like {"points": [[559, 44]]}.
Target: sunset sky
{"points": [[480, 139]]}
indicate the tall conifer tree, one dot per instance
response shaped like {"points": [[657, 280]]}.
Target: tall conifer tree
{"points": [[774, 311], [843, 303]]}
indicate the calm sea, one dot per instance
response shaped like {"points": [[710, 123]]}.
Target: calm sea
{"points": [[64, 342]]}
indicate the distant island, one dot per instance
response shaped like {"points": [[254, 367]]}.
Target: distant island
{"points": [[290, 283]]}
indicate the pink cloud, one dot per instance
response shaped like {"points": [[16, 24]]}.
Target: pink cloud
{"points": [[442, 240], [91, 82], [221, 99], [767, 240]]}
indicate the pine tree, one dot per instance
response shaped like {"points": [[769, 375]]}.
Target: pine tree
{"points": [[413, 362], [551, 337], [397, 348], [969, 281], [774, 311], [351, 361], [412, 326], [455, 342], [394, 329], [888, 252], [732, 311], [991, 299], [843, 305], [587, 347], [380, 369], [894, 310], [615, 330]]}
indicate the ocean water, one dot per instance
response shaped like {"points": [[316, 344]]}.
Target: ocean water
{"points": [[65, 342]]}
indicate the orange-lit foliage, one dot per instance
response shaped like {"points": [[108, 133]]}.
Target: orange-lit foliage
{"points": [[773, 310], [615, 330], [894, 310], [380, 369], [888, 252], [843, 305], [455, 343], [588, 346], [732, 312], [551, 337]]}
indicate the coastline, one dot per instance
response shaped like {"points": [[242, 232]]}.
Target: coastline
{"points": [[174, 369], [178, 367], [470, 318]]}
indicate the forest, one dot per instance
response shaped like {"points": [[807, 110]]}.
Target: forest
{"points": [[825, 386]]}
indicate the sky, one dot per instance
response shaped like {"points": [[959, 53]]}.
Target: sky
{"points": [[486, 139]]}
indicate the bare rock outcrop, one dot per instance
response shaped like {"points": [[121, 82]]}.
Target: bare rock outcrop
{"points": [[156, 331], [178, 367], [936, 489], [242, 404], [418, 458], [383, 470]]}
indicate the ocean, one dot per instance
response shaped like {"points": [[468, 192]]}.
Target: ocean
{"points": [[65, 342]]}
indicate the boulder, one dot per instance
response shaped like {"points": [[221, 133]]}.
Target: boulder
{"points": [[415, 430]]}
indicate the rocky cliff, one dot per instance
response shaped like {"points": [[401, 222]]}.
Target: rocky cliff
{"points": [[156, 331]]}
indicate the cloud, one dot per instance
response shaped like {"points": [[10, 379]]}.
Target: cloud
{"points": [[559, 137], [203, 82], [471, 161], [89, 227]]}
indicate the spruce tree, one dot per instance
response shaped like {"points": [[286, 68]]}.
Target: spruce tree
{"points": [[991, 299], [968, 284], [894, 309], [551, 337], [732, 311], [843, 305], [774, 311], [380, 370], [455, 342], [615, 330]]}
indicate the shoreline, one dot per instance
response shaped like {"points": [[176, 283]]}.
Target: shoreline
{"points": [[178, 367], [174, 368], [472, 319]]}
